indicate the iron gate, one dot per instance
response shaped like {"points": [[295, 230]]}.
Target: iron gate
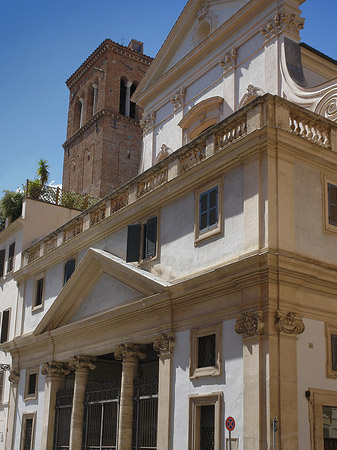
{"points": [[145, 411], [101, 411], [63, 407]]}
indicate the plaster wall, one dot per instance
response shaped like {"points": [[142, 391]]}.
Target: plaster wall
{"points": [[230, 383], [310, 238], [311, 366], [29, 406]]}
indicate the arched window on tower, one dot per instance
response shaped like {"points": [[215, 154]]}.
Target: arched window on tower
{"points": [[122, 96], [126, 106]]}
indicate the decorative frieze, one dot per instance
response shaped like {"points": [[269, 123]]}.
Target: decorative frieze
{"points": [[229, 60], [82, 362], [129, 352], [152, 182], [249, 324], [73, 230], [289, 323], [54, 368], [164, 344], [283, 20], [178, 99], [97, 215], [14, 377], [119, 202], [147, 121]]}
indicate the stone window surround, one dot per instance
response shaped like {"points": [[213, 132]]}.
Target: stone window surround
{"points": [[25, 416], [195, 402], [329, 330], [319, 398], [326, 180], [195, 334], [200, 236], [36, 279], [28, 373]]}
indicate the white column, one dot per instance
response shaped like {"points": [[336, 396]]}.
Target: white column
{"points": [[82, 112], [127, 98], [94, 103], [81, 364], [14, 380]]}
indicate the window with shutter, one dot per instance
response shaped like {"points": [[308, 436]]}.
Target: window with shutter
{"points": [[142, 241], [39, 284], [10, 263], [332, 200], [2, 262], [133, 243], [208, 211], [334, 351], [69, 268], [150, 238], [4, 326]]}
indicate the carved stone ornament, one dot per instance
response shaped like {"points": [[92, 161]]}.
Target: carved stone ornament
{"points": [[147, 122], [229, 60], [178, 99], [206, 24], [289, 323], [249, 324], [14, 377], [283, 20], [164, 152], [129, 352], [82, 362], [252, 93], [203, 12], [164, 343], [54, 368], [327, 107]]}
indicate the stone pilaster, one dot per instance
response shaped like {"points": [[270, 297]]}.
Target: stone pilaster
{"points": [[54, 380], [14, 377], [164, 344], [129, 354], [81, 364]]}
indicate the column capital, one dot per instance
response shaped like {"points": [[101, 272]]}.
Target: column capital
{"points": [[249, 324], [164, 344], [53, 368], [82, 363], [129, 352], [14, 377], [289, 323]]}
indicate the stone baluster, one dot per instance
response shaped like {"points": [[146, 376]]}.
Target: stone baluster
{"points": [[81, 364], [55, 373], [14, 377], [129, 354]]}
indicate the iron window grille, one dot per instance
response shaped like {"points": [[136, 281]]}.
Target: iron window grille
{"points": [[334, 351], [206, 351]]}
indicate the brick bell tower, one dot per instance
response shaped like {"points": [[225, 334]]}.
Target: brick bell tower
{"points": [[103, 145]]}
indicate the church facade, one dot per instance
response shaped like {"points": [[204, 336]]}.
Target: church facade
{"points": [[204, 287]]}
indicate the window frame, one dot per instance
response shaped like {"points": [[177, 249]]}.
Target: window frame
{"points": [[217, 229], [195, 403], [2, 269], [64, 268], [143, 257], [28, 373], [26, 416], [319, 398], [11, 259], [36, 307], [195, 334], [8, 325], [330, 330], [2, 385], [326, 181]]}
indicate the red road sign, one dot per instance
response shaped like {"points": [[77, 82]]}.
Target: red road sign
{"points": [[230, 423]]}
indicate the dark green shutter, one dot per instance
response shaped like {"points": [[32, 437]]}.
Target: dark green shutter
{"points": [[133, 243], [4, 326], [2, 262], [69, 268], [151, 237], [334, 351]]}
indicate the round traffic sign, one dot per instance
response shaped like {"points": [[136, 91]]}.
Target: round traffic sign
{"points": [[230, 423]]}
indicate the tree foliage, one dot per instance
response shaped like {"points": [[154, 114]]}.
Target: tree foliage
{"points": [[42, 171], [10, 205]]}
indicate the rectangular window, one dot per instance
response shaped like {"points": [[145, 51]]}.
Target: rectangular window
{"points": [[206, 351], [27, 431], [205, 422], [332, 200], [142, 241], [5, 326], [31, 384], [334, 351], [330, 427], [38, 292], [2, 262], [331, 351], [10, 263], [208, 207], [323, 418], [69, 268]]}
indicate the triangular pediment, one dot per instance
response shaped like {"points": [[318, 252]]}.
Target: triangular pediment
{"points": [[197, 22], [101, 282]]}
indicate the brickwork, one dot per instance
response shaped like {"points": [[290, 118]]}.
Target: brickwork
{"points": [[102, 150]]}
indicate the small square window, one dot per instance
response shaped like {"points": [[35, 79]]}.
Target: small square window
{"points": [[69, 268], [331, 365], [208, 211], [142, 241], [206, 351], [31, 384]]}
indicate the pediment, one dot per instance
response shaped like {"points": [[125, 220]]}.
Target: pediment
{"points": [[197, 22], [101, 282]]}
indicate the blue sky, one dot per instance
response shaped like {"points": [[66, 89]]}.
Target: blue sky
{"points": [[42, 42]]}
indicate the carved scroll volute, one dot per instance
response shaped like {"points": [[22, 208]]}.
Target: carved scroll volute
{"points": [[289, 323], [14, 377], [55, 369], [82, 363], [164, 344], [249, 324], [127, 352]]}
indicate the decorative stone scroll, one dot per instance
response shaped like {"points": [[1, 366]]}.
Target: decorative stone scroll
{"points": [[252, 93], [249, 324], [229, 60], [82, 362], [14, 377], [283, 20], [178, 99], [164, 343], [289, 323], [129, 351], [147, 122], [54, 368], [327, 107]]}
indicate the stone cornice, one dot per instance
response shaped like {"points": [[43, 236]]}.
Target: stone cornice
{"points": [[12, 228], [106, 45]]}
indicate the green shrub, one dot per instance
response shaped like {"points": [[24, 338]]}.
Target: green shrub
{"points": [[10, 205]]}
